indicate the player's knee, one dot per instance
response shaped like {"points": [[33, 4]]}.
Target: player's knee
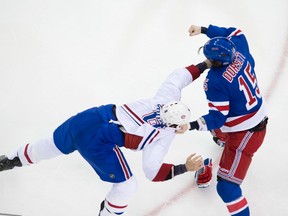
{"points": [[228, 191]]}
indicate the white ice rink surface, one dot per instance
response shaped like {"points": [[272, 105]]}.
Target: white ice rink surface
{"points": [[59, 57]]}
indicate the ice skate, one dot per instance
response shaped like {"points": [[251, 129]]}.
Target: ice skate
{"points": [[6, 164], [101, 207]]}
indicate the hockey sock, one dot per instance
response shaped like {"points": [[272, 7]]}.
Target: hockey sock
{"points": [[40, 150], [112, 209], [118, 197], [231, 194], [238, 207]]}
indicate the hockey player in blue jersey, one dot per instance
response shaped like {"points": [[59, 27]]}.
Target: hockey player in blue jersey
{"points": [[147, 125], [237, 111]]}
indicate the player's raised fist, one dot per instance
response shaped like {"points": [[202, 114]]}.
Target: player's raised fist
{"points": [[194, 30]]}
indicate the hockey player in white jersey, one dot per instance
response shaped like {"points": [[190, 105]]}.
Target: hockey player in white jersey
{"points": [[147, 125]]}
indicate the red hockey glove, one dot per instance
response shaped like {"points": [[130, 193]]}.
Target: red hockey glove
{"points": [[203, 176]]}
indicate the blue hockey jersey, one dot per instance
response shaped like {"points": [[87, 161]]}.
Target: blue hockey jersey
{"points": [[234, 99]]}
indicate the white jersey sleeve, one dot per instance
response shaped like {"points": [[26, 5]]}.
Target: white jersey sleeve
{"points": [[171, 88], [153, 156]]}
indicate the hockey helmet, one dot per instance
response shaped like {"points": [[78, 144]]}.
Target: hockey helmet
{"points": [[220, 49], [175, 113]]}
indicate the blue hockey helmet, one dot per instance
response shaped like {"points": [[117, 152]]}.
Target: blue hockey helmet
{"points": [[220, 49]]}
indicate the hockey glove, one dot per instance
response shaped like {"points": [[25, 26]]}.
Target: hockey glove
{"points": [[203, 176], [218, 137], [193, 125], [199, 124], [219, 142]]}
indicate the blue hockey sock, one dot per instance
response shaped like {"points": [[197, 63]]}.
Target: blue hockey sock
{"points": [[231, 194]]}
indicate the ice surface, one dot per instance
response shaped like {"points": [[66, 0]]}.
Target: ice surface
{"points": [[60, 57]]}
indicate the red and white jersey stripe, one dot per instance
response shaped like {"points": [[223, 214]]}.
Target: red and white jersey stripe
{"points": [[222, 106]]}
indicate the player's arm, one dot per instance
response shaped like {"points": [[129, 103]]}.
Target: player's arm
{"points": [[213, 120], [219, 106], [211, 31], [196, 30], [197, 70], [171, 88], [156, 169], [168, 171], [215, 31]]}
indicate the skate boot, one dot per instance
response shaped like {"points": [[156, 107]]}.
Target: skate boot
{"points": [[6, 164], [101, 207]]}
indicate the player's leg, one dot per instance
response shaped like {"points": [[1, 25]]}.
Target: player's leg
{"points": [[124, 186], [228, 186], [30, 154], [231, 194], [235, 161], [110, 164], [40, 150], [118, 198]]}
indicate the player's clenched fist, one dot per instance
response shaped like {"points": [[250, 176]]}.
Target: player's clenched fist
{"points": [[194, 162], [194, 30], [181, 129]]}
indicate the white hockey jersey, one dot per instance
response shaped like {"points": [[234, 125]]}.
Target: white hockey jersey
{"points": [[144, 129]]}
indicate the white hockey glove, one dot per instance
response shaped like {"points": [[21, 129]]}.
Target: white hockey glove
{"points": [[203, 177]]}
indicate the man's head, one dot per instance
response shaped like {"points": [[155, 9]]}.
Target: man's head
{"points": [[220, 51], [175, 113]]}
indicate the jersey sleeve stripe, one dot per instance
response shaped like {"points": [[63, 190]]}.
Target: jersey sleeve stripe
{"points": [[154, 136], [149, 139], [163, 172], [237, 32], [219, 107], [222, 107], [132, 115]]}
